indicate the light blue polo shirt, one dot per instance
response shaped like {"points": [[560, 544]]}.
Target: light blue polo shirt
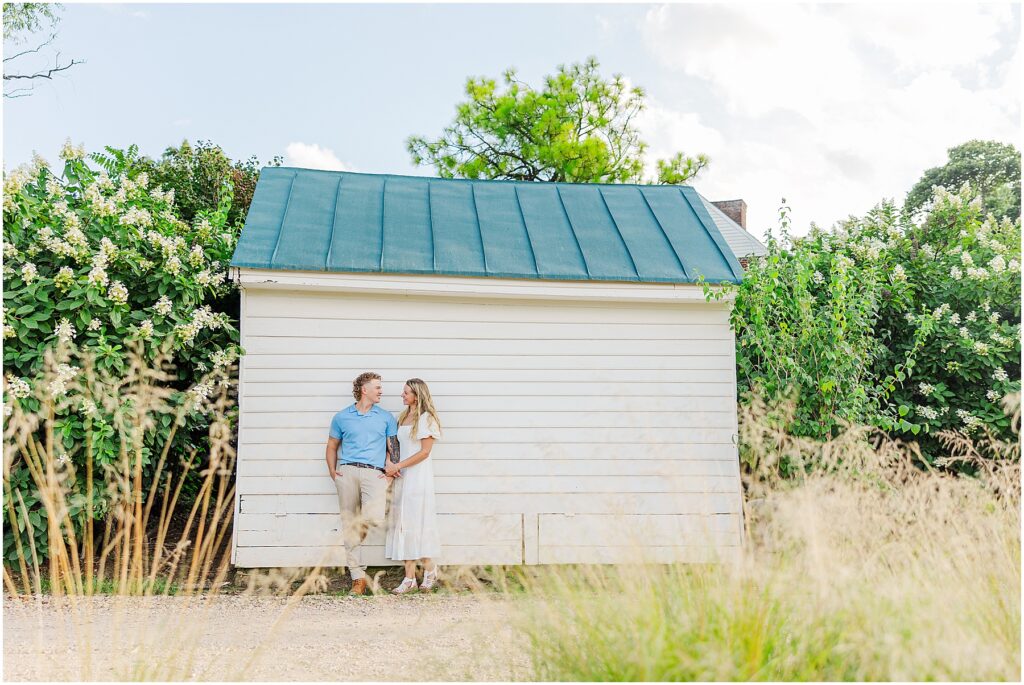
{"points": [[363, 436]]}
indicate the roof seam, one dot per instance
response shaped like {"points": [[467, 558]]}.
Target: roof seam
{"points": [[712, 235], [479, 230], [430, 227], [334, 223], [284, 217], [661, 228], [526, 229], [572, 229], [618, 232], [383, 189]]}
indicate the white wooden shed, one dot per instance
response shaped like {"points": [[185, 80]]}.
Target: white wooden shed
{"points": [[587, 389]]}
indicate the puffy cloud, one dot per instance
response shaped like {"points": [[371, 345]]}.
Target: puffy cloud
{"points": [[834, 107], [312, 156]]}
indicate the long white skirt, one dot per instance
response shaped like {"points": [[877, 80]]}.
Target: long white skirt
{"points": [[412, 520]]}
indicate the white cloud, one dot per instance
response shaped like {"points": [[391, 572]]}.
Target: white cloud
{"points": [[312, 156], [835, 107]]}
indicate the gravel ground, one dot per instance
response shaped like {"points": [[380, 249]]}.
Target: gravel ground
{"points": [[384, 638]]}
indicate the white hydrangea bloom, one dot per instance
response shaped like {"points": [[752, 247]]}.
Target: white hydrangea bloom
{"points": [[818, 277], [29, 272], [966, 259], [1013, 265], [971, 421], [993, 317], [10, 250], [89, 408], [136, 216], [993, 396], [19, 387], [94, 324], [163, 306], [926, 389], [898, 274], [203, 277], [146, 329], [955, 319], [928, 251], [956, 273], [69, 151], [187, 332], [998, 264], [65, 331], [117, 293], [980, 274], [972, 316], [53, 186], [927, 412], [981, 347], [98, 276], [9, 331], [65, 278], [196, 256], [1000, 375], [964, 333], [173, 265]]}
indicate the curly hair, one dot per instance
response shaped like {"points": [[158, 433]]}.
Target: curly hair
{"points": [[361, 379]]}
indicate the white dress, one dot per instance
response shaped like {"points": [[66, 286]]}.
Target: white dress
{"points": [[412, 521]]}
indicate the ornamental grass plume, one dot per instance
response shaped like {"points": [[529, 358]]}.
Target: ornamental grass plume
{"points": [[868, 567]]}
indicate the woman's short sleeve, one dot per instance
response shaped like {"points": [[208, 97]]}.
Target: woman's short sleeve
{"points": [[427, 428]]}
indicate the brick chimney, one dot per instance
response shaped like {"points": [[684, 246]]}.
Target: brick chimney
{"points": [[735, 210]]}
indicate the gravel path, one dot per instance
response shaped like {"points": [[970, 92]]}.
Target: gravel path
{"points": [[384, 638]]}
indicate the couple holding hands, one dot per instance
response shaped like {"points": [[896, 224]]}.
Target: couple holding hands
{"points": [[369, 450]]}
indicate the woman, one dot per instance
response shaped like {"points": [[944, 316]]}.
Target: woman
{"points": [[412, 522]]}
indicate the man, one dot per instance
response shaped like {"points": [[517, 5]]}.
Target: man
{"points": [[363, 432]]}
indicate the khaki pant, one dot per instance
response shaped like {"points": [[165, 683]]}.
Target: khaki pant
{"points": [[362, 498]]}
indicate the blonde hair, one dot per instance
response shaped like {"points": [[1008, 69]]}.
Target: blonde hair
{"points": [[424, 405]]}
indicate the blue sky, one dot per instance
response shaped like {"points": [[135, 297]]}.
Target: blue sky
{"points": [[831, 106]]}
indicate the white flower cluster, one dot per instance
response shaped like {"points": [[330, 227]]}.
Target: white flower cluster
{"points": [[927, 412], [818, 277], [941, 310], [173, 265], [966, 259], [163, 306], [955, 273], [999, 375], [926, 389], [94, 324], [65, 372], [981, 347], [972, 316], [205, 278], [162, 196], [993, 318], [998, 264], [843, 263], [223, 358], [9, 331], [69, 151], [971, 422], [13, 184], [65, 331], [100, 205], [53, 186], [899, 274], [19, 387], [65, 278], [202, 317], [117, 293], [964, 333], [146, 329], [89, 408], [10, 250], [993, 396], [978, 273], [928, 251], [196, 256], [29, 272], [136, 216]]}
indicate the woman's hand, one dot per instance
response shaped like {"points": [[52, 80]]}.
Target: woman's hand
{"points": [[391, 469]]}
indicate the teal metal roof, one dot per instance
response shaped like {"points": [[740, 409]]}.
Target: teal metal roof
{"points": [[313, 220]]}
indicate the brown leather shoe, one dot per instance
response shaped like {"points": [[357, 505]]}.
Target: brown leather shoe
{"points": [[358, 587]]}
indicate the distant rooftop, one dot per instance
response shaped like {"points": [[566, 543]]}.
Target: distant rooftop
{"points": [[315, 220]]}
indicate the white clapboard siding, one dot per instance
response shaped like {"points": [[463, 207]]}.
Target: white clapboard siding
{"points": [[322, 485], [536, 362], [475, 378], [484, 435], [499, 420], [581, 450], [549, 467], [532, 503], [493, 347], [561, 418]]}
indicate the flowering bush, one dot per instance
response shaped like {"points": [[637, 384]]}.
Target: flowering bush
{"points": [[97, 260], [910, 327]]}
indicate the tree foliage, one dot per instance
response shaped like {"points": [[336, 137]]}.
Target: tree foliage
{"points": [[990, 167], [199, 176], [579, 127], [21, 20]]}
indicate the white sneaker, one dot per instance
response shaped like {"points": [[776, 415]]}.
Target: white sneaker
{"points": [[408, 585]]}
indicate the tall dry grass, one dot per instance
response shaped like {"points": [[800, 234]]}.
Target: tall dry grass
{"points": [[867, 568], [162, 557]]}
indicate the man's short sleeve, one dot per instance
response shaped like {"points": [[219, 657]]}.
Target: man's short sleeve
{"points": [[392, 425], [335, 431]]}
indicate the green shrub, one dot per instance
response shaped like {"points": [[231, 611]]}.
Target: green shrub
{"points": [[100, 261]]}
